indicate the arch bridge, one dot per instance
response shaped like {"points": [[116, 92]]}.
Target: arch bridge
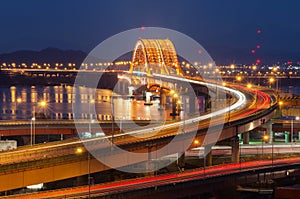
{"points": [[155, 56]]}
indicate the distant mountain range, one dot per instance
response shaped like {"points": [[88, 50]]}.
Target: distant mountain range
{"points": [[54, 55], [48, 55]]}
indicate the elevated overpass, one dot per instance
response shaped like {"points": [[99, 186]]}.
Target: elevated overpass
{"points": [[178, 184], [60, 161]]}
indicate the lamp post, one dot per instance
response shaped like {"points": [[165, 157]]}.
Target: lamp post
{"points": [[113, 120], [32, 130], [292, 128], [32, 127], [271, 81], [272, 150], [91, 101], [42, 104], [79, 151], [240, 151], [89, 174]]}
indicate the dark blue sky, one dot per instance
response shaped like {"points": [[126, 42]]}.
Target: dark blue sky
{"points": [[227, 29]]}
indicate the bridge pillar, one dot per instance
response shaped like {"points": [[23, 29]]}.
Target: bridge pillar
{"points": [[235, 150], [163, 100], [174, 112], [269, 131], [123, 88], [287, 136], [150, 164], [181, 160], [192, 105], [208, 157], [246, 136]]}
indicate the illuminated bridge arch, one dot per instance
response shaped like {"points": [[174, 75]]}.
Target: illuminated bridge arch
{"points": [[155, 56]]}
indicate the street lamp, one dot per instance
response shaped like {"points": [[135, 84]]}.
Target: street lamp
{"points": [[271, 81], [42, 104], [89, 173], [292, 128], [32, 130], [91, 101], [272, 141], [79, 151]]}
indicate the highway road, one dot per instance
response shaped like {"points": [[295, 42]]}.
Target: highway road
{"points": [[246, 149], [161, 180], [239, 111]]}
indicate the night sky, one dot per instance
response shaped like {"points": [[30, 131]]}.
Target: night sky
{"points": [[227, 29]]}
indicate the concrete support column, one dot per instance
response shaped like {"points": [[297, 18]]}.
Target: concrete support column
{"points": [[235, 150], [119, 86], [163, 99], [174, 112], [208, 157], [192, 104], [150, 163], [286, 137], [246, 138], [123, 88], [181, 160], [269, 131]]}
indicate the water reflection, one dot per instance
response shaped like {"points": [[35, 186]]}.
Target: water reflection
{"points": [[21, 102]]}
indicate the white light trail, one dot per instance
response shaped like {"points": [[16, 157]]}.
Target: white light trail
{"points": [[240, 102]]}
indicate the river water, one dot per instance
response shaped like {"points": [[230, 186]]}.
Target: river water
{"points": [[291, 89], [22, 102]]}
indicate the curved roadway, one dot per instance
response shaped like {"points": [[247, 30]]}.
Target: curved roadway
{"points": [[68, 147], [126, 186]]}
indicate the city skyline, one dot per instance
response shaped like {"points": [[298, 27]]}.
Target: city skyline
{"points": [[229, 31]]}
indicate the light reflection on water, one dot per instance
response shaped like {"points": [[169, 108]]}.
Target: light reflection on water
{"points": [[21, 101]]}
